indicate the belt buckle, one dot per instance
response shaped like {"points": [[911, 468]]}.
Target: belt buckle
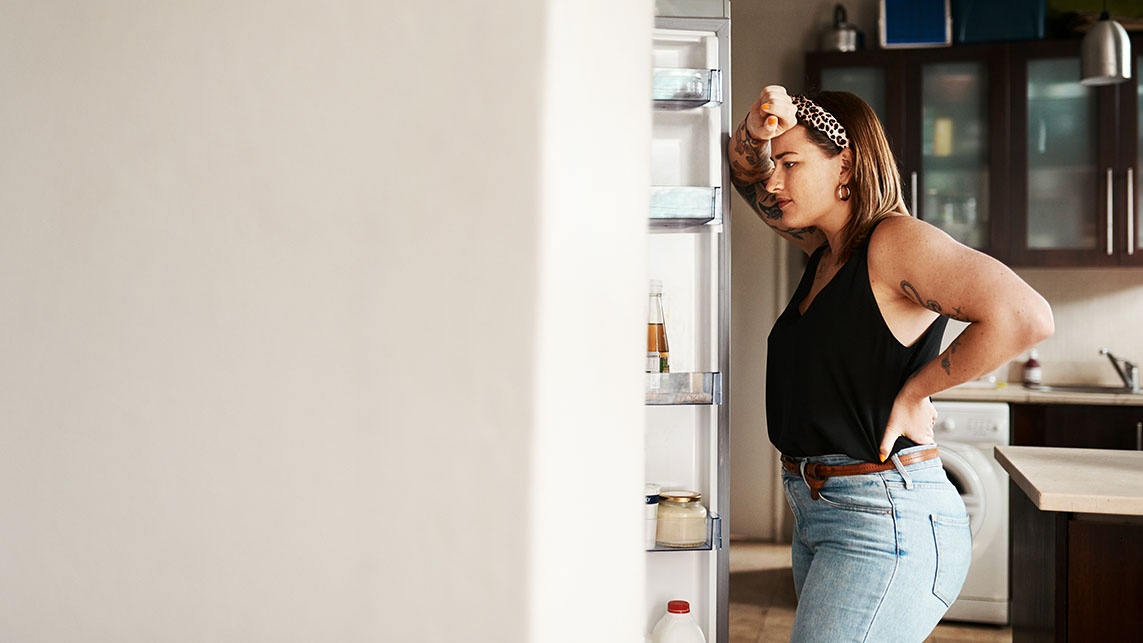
{"points": [[809, 471]]}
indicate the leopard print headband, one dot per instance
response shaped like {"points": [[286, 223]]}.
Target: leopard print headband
{"points": [[813, 115]]}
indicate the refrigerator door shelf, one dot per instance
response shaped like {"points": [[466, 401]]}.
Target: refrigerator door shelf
{"points": [[677, 88], [713, 537], [680, 207], [684, 388]]}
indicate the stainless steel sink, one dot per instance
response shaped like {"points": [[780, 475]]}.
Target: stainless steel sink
{"points": [[1082, 388], [1128, 373]]}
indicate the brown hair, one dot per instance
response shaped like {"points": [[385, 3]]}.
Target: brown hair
{"points": [[875, 181]]}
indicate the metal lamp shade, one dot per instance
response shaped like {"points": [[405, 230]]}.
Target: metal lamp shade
{"points": [[1106, 54]]}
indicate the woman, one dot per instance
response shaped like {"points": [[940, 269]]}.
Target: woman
{"points": [[881, 540]]}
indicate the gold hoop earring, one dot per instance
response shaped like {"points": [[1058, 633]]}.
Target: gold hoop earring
{"points": [[843, 192]]}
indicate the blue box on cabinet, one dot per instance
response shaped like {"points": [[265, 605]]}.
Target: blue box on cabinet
{"points": [[915, 23], [998, 20]]}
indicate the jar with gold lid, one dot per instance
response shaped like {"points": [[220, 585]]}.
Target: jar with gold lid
{"points": [[682, 519]]}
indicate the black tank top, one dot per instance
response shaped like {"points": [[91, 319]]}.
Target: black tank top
{"points": [[832, 374]]}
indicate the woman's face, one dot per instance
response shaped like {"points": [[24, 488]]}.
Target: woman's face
{"points": [[805, 180]]}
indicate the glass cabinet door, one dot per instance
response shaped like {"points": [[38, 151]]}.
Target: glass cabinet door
{"points": [[866, 82], [1065, 177], [954, 168], [876, 79]]}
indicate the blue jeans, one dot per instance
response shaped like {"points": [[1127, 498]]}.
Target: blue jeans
{"points": [[878, 558]]}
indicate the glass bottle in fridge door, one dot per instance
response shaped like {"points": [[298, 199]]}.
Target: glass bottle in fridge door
{"points": [[658, 354]]}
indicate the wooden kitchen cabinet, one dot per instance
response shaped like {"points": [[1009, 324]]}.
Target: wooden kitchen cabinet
{"points": [[1078, 426], [1074, 193], [1076, 525], [1004, 149], [1075, 577], [1104, 578]]}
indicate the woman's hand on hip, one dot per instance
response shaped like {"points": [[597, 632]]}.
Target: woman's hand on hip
{"points": [[772, 114], [912, 418]]}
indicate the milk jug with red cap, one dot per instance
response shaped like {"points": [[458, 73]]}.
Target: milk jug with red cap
{"points": [[677, 625]]}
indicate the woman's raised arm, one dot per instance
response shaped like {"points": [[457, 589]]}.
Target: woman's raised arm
{"points": [[750, 164]]}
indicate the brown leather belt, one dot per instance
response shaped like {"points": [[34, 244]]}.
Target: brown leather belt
{"points": [[815, 473]]}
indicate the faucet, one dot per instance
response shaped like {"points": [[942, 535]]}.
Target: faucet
{"points": [[1127, 371]]}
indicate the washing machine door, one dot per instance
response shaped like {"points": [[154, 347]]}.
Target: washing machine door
{"points": [[981, 485], [984, 487]]}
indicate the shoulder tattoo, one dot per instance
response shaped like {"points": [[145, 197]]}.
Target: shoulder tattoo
{"points": [[911, 292]]}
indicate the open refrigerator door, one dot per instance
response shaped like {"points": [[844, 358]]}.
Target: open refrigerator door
{"points": [[687, 435]]}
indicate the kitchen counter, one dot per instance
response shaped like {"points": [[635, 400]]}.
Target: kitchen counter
{"points": [[1097, 481], [1017, 394], [1076, 557]]}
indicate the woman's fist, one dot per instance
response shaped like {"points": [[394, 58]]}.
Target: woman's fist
{"points": [[772, 114]]}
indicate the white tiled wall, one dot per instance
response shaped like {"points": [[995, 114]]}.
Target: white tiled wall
{"points": [[1093, 309]]}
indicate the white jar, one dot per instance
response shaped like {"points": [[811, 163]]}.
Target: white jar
{"points": [[682, 519]]}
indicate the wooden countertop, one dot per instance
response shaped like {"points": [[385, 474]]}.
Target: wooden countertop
{"points": [[1098, 481], [1017, 394]]}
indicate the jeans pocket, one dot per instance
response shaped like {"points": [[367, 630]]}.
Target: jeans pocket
{"points": [[953, 539], [865, 495]]}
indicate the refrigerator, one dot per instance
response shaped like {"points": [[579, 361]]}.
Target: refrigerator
{"points": [[687, 429]]}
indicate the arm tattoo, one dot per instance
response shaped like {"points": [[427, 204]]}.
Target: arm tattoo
{"points": [[749, 173], [771, 214], [946, 361], [754, 154], [765, 204], [932, 304]]}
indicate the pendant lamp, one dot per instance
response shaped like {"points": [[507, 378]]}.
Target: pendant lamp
{"points": [[1106, 55]]}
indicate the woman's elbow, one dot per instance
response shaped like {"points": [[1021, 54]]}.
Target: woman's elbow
{"points": [[1038, 322]]}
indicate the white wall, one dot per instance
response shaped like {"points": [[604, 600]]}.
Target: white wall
{"points": [[314, 319]]}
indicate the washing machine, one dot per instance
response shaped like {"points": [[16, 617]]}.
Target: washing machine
{"points": [[967, 432]]}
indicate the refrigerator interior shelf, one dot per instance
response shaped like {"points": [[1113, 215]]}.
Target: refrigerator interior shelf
{"points": [[674, 88], [684, 388], [680, 207], [713, 537]]}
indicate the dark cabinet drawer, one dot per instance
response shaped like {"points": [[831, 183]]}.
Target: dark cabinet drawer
{"points": [[1078, 426]]}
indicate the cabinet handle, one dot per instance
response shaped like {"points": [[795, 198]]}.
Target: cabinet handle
{"points": [[1139, 436], [913, 186], [1110, 202], [1130, 210]]}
